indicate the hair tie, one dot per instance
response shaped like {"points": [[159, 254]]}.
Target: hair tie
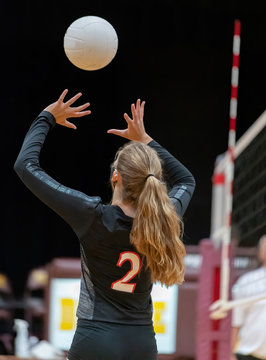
{"points": [[149, 176]]}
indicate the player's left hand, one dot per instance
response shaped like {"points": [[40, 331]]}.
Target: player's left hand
{"points": [[135, 126], [62, 111]]}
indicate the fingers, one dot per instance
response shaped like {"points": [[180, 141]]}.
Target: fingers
{"points": [[77, 111], [70, 125], [73, 99], [138, 110], [81, 107], [138, 107], [62, 96], [81, 113], [121, 133], [142, 109], [70, 101], [133, 111], [127, 118]]}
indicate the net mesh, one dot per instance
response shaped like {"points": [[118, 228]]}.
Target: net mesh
{"points": [[249, 191]]}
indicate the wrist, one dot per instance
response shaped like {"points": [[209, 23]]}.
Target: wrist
{"points": [[145, 139], [49, 117]]}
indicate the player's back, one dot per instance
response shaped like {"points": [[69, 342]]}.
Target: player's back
{"points": [[115, 283]]}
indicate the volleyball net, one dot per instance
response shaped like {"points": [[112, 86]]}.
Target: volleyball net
{"points": [[248, 195], [249, 200], [238, 215], [249, 188]]}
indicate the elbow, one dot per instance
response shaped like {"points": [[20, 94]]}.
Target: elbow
{"points": [[191, 182], [18, 167]]}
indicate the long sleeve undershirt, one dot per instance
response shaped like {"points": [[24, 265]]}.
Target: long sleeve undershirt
{"points": [[75, 207]]}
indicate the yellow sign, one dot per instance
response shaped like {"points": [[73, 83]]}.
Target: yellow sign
{"points": [[67, 314], [159, 326], [3, 281]]}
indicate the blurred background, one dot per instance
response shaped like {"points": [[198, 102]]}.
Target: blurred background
{"points": [[176, 55]]}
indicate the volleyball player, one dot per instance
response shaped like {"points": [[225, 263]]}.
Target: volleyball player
{"points": [[126, 245], [249, 321]]}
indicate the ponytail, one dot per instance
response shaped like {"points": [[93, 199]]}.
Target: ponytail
{"points": [[156, 234], [156, 228]]}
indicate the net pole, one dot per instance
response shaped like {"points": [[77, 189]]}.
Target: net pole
{"points": [[229, 167]]}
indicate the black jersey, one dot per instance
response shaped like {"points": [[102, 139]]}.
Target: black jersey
{"points": [[115, 286]]}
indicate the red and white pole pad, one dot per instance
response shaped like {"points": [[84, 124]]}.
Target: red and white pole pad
{"points": [[229, 169], [229, 166], [222, 181], [218, 203], [234, 84]]}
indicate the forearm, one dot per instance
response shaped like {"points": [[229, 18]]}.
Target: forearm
{"points": [[180, 181], [174, 170], [76, 208], [33, 142], [234, 337]]}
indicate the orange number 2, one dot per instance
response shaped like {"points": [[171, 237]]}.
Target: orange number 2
{"points": [[122, 284]]}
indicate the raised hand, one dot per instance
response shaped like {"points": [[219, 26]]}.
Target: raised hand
{"points": [[62, 111], [135, 127]]}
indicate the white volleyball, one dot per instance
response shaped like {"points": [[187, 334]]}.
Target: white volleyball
{"points": [[90, 43]]}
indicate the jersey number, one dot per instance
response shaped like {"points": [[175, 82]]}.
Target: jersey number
{"points": [[122, 284]]}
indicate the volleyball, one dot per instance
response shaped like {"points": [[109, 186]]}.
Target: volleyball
{"points": [[90, 43]]}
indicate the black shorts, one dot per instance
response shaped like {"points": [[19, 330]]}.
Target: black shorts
{"points": [[98, 340], [246, 357]]}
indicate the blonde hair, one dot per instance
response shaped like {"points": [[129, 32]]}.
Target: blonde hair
{"points": [[156, 228]]}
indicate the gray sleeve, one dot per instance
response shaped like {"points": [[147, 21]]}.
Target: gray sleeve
{"points": [[75, 207], [179, 180]]}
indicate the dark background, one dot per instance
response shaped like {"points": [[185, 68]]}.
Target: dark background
{"points": [[175, 55]]}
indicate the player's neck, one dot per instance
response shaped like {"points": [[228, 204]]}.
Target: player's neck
{"points": [[127, 208]]}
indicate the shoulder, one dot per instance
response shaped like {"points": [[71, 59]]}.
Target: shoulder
{"points": [[115, 219], [249, 276], [92, 202], [247, 284], [83, 203]]}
